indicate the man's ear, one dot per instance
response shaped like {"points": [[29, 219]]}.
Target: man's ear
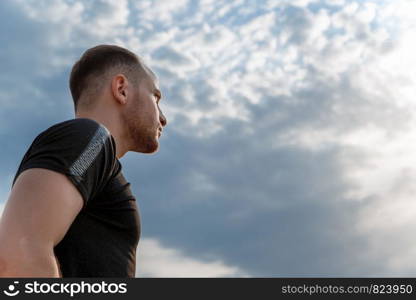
{"points": [[119, 85]]}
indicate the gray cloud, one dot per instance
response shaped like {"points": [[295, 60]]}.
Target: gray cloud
{"points": [[170, 55], [266, 203]]}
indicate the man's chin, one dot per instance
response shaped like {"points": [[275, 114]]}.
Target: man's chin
{"points": [[149, 148]]}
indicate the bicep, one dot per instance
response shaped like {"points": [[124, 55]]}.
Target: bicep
{"points": [[41, 207]]}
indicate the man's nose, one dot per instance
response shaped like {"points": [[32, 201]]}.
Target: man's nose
{"points": [[162, 119]]}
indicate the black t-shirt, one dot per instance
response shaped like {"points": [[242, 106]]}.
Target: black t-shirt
{"points": [[102, 240]]}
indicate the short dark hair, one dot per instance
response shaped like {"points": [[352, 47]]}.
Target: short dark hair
{"points": [[96, 62]]}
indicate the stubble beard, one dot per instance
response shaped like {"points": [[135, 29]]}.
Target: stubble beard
{"points": [[142, 138]]}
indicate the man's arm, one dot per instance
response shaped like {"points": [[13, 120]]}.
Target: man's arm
{"points": [[41, 207]]}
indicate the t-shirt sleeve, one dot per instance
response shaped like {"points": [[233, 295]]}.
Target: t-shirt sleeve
{"points": [[82, 149]]}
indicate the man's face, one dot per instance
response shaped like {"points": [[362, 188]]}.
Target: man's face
{"points": [[143, 116]]}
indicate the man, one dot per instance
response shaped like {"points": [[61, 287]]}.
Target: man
{"points": [[71, 212]]}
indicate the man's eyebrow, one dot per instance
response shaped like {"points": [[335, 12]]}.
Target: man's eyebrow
{"points": [[158, 93]]}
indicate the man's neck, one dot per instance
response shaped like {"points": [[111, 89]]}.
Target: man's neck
{"points": [[113, 125]]}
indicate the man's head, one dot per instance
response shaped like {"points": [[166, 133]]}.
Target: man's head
{"points": [[112, 81]]}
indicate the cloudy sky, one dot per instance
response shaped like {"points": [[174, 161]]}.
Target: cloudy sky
{"points": [[290, 148]]}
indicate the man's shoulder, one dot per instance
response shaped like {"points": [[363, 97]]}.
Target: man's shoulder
{"points": [[81, 148], [78, 128], [77, 123]]}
